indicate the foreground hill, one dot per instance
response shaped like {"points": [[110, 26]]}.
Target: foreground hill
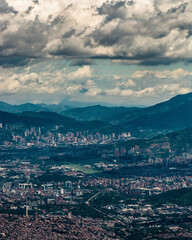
{"points": [[180, 141], [50, 119], [25, 119]]}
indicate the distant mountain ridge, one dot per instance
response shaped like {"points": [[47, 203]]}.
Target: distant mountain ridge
{"points": [[98, 112], [33, 107], [170, 115]]}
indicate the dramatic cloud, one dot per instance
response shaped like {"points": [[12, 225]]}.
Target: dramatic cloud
{"points": [[119, 51], [144, 86], [150, 32], [44, 82]]}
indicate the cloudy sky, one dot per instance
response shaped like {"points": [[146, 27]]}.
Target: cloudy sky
{"points": [[131, 52]]}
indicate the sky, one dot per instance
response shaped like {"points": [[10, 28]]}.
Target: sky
{"points": [[130, 53]]}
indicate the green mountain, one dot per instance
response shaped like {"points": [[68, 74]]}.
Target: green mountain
{"points": [[32, 107], [50, 119], [169, 115], [172, 114], [108, 114], [178, 142], [11, 118]]}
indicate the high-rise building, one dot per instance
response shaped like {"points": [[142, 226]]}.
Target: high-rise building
{"points": [[27, 210], [69, 215]]}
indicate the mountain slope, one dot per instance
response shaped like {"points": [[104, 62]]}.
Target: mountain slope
{"points": [[98, 112], [50, 119], [173, 114], [69, 123], [10, 118], [169, 115], [32, 107]]}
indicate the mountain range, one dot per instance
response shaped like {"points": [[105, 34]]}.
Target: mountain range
{"points": [[33, 107], [170, 115], [51, 119]]}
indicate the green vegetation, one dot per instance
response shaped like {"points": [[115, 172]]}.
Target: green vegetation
{"points": [[51, 176], [181, 140], [98, 112], [51, 119], [112, 198], [5, 136], [172, 114], [182, 197], [86, 170]]}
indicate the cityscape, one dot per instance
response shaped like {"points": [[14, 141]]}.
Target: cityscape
{"points": [[107, 185], [95, 120], [35, 137]]}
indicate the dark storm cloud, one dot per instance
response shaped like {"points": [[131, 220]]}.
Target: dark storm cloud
{"points": [[160, 61], [68, 51], [154, 34], [29, 10], [179, 9], [5, 8], [3, 25], [36, 1], [20, 46], [150, 32], [111, 10], [69, 33]]}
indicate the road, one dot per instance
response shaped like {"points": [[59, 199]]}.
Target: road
{"points": [[100, 211]]}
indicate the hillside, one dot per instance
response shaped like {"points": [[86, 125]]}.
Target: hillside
{"points": [[10, 118], [173, 114], [50, 119], [182, 197], [179, 142], [98, 112], [32, 107]]}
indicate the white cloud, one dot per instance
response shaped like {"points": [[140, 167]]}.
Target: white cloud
{"points": [[45, 82], [83, 72], [117, 77], [126, 83], [175, 74], [144, 32], [149, 32]]}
